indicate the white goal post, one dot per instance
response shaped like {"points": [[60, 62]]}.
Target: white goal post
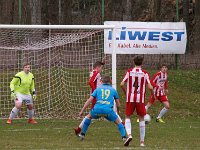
{"points": [[61, 57]]}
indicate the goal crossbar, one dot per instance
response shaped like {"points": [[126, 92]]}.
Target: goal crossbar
{"points": [[6, 26]]}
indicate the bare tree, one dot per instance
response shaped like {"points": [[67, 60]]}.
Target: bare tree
{"points": [[186, 19], [197, 26], [35, 8], [128, 10], [157, 9]]}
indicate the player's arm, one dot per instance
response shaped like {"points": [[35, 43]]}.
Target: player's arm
{"points": [[14, 82], [32, 87], [123, 87], [166, 86], [92, 82], [124, 81], [150, 86], [87, 103], [116, 97], [117, 105], [153, 80]]}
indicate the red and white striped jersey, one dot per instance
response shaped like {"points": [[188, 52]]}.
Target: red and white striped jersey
{"points": [[136, 79], [160, 81], [94, 80]]}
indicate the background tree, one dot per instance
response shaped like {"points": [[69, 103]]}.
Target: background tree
{"points": [[197, 26], [186, 20]]}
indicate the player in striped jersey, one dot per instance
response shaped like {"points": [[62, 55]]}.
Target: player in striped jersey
{"points": [[160, 91], [136, 79], [94, 82], [95, 78]]}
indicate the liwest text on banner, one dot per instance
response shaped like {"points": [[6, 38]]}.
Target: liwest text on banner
{"points": [[146, 37]]}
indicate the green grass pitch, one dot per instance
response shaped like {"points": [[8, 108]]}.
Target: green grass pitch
{"points": [[181, 131]]}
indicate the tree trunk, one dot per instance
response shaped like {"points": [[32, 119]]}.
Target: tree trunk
{"points": [[35, 8], [156, 11], [128, 10], [186, 20], [197, 26]]}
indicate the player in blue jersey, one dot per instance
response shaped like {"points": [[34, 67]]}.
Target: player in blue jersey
{"points": [[105, 96]]}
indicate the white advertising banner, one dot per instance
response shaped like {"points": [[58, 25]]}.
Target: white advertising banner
{"points": [[146, 37]]}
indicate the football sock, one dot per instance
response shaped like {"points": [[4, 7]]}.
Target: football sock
{"points": [[30, 113], [121, 130], [162, 112], [13, 113], [86, 125], [146, 108], [142, 130], [128, 126], [82, 122]]}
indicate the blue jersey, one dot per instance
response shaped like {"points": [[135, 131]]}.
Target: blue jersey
{"points": [[105, 95]]}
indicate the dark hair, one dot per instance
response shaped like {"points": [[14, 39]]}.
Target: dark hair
{"points": [[98, 64], [106, 79], [163, 64], [138, 60], [25, 64]]}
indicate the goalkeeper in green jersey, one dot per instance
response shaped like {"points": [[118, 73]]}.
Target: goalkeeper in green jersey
{"points": [[23, 90]]}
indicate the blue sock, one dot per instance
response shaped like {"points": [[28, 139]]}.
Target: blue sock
{"points": [[86, 125], [122, 130]]}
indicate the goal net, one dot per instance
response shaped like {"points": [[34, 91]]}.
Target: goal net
{"points": [[61, 61]]}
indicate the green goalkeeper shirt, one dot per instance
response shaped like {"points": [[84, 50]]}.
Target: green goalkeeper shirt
{"points": [[23, 83]]}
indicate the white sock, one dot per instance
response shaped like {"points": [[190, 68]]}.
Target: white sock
{"points": [[142, 130], [13, 113], [119, 117], [82, 123], [146, 108], [30, 113], [128, 126], [162, 112]]}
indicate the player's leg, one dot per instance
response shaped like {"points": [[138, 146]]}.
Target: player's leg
{"points": [[164, 110], [150, 102], [141, 111], [113, 117], [85, 126], [115, 110], [30, 111], [130, 107], [122, 131], [78, 129], [15, 110]]}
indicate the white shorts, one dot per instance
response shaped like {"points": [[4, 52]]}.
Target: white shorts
{"points": [[27, 99]]}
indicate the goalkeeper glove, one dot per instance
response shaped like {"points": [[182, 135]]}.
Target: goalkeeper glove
{"points": [[13, 95], [34, 95]]}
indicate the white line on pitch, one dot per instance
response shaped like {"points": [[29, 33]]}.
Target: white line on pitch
{"points": [[17, 130]]}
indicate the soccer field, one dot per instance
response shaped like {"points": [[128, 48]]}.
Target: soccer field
{"points": [[181, 131], [58, 134]]}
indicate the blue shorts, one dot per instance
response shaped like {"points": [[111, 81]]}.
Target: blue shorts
{"points": [[107, 113]]}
